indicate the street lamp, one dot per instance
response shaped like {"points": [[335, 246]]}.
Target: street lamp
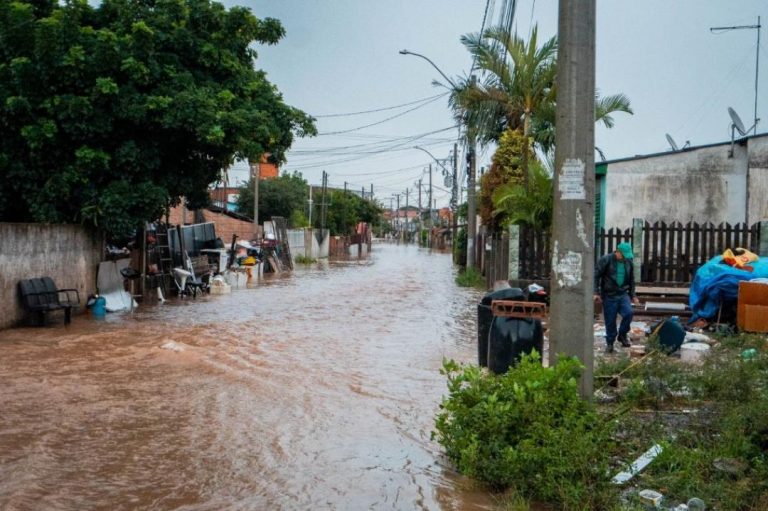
{"points": [[471, 163], [406, 52]]}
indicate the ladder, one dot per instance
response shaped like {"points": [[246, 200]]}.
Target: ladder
{"points": [[163, 256]]}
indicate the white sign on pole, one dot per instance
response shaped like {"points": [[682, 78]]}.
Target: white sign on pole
{"points": [[571, 182]]}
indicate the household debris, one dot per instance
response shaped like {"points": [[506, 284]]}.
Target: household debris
{"points": [[638, 465], [172, 346]]}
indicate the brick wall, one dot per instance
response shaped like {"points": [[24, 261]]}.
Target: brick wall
{"points": [[226, 226]]}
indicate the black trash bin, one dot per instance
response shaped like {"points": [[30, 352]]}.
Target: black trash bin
{"points": [[509, 339], [484, 318]]}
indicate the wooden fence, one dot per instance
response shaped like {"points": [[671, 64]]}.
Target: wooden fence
{"points": [[670, 253], [496, 260], [673, 253]]}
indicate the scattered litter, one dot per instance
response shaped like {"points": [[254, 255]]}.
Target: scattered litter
{"points": [[695, 337], [693, 352], [638, 465], [696, 504], [732, 466], [219, 286], [173, 346], [650, 497], [664, 306], [749, 354], [605, 397]]}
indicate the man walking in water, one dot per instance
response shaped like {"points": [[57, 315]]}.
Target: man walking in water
{"points": [[615, 288]]}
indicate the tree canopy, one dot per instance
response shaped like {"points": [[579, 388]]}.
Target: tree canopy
{"points": [[111, 113], [282, 196], [346, 209]]}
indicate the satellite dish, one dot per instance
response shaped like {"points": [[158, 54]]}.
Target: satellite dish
{"points": [[672, 143], [737, 122]]}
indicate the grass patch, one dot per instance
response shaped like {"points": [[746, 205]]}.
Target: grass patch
{"points": [[470, 277], [302, 259], [525, 433]]}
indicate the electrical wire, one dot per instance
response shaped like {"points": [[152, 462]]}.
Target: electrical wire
{"points": [[383, 120], [379, 109]]}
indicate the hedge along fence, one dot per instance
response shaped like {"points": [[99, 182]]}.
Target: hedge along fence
{"points": [[667, 253]]}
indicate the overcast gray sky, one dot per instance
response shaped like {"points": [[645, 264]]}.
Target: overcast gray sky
{"points": [[341, 57]]}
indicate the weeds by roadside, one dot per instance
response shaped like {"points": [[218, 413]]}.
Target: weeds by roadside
{"points": [[470, 277], [522, 432], [302, 259]]}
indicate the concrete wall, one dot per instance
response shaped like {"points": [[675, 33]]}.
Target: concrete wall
{"points": [[758, 179], [304, 242], [701, 184], [69, 254]]}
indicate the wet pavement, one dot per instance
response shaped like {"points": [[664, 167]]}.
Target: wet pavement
{"points": [[311, 391]]}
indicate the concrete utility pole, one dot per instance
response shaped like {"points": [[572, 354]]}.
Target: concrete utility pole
{"points": [[455, 196], [573, 230], [421, 214], [472, 163], [430, 195], [407, 230], [399, 227], [255, 176], [310, 206]]}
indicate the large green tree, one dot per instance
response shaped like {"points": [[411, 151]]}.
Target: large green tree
{"points": [[110, 113], [282, 196], [345, 210]]}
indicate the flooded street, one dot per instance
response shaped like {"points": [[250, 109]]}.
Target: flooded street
{"points": [[311, 391]]}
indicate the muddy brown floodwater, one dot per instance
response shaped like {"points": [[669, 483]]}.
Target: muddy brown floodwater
{"points": [[313, 391]]}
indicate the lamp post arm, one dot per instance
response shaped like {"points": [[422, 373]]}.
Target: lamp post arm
{"points": [[433, 157], [406, 52]]}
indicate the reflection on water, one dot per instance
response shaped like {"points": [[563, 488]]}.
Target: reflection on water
{"points": [[311, 391]]}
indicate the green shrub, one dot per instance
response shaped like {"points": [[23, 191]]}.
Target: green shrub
{"points": [[527, 429], [302, 259], [470, 277]]}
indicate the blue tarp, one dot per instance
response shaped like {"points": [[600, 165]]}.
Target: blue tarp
{"points": [[715, 283]]}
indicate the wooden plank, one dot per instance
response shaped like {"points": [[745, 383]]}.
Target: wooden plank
{"points": [[680, 254], [644, 270], [662, 251]]}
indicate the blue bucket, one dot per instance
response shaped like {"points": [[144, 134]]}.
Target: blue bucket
{"points": [[99, 307]]}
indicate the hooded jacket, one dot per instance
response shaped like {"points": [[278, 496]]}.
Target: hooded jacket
{"points": [[605, 277]]}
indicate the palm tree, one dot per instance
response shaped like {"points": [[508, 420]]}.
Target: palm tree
{"points": [[518, 89], [519, 79], [517, 92]]}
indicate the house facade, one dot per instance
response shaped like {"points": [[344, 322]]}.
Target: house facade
{"points": [[711, 183]]}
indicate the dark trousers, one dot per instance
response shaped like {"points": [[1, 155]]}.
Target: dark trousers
{"points": [[613, 305]]}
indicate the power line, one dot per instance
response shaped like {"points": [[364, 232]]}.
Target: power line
{"points": [[380, 109], [383, 120]]}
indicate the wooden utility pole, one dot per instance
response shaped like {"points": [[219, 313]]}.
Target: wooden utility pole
{"points": [[573, 230]]}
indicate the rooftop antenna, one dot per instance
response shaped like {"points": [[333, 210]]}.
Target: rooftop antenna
{"points": [[717, 30], [672, 143]]}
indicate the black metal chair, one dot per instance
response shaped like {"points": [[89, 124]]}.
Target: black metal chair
{"points": [[39, 296]]}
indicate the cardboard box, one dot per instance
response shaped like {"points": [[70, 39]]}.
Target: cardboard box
{"points": [[752, 311]]}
